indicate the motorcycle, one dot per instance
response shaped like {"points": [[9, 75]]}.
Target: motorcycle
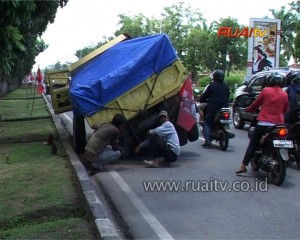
{"points": [[221, 128], [294, 135], [273, 152]]}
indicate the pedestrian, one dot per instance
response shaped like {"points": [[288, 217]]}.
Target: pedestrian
{"points": [[103, 147], [162, 143], [217, 96], [274, 103]]}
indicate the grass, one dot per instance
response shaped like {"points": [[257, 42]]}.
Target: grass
{"points": [[24, 131], [23, 108], [40, 198], [72, 228]]}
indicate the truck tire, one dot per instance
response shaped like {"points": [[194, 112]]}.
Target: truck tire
{"points": [[193, 134], [79, 134], [182, 135]]}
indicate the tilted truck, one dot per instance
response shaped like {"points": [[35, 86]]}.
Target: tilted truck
{"points": [[134, 77]]}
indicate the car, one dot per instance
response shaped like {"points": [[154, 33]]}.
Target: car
{"points": [[246, 94]]}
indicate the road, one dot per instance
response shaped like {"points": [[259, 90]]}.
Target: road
{"points": [[203, 198]]}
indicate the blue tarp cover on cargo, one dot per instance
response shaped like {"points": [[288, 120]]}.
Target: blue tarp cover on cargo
{"points": [[117, 70]]}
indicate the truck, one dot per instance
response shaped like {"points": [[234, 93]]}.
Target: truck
{"points": [[134, 77]]}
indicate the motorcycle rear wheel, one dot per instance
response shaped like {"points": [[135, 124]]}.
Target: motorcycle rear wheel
{"points": [[279, 175], [223, 140], [297, 159]]}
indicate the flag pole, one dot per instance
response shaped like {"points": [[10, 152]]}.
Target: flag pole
{"points": [[35, 85], [26, 94]]}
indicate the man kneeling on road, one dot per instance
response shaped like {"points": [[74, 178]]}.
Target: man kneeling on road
{"points": [[162, 143], [103, 145]]}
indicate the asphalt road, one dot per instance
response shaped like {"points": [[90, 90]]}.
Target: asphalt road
{"points": [[200, 197]]}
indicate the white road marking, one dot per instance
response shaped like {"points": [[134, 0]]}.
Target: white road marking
{"points": [[144, 211], [67, 117]]}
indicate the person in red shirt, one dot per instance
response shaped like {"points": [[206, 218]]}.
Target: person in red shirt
{"points": [[274, 103]]}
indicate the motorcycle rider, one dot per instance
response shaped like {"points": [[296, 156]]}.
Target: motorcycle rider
{"points": [[293, 91], [217, 96], [274, 103]]}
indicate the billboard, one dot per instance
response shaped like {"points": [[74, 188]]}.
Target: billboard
{"points": [[263, 48]]}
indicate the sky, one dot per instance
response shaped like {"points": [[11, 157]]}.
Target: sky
{"points": [[82, 23]]}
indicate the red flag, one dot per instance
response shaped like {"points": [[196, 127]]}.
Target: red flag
{"points": [[187, 112], [31, 76], [40, 88], [39, 75]]}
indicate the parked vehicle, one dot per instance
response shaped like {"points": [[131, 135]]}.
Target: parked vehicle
{"points": [[246, 94], [134, 77], [273, 154]]}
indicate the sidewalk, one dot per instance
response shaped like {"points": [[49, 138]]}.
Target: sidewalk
{"points": [[42, 197]]}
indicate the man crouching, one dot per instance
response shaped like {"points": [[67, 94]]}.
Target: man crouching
{"points": [[162, 143]]}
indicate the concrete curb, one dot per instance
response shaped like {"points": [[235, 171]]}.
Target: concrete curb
{"points": [[102, 219]]}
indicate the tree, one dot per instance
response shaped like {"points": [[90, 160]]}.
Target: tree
{"points": [[288, 25], [196, 43], [137, 26], [295, 6], [21, 26], [231, 51]]}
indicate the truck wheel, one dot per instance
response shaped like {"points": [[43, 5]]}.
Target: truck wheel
{"points": [[79, 134], [193, 134], [182, 135]]}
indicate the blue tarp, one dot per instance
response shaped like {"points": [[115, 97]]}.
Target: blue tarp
{"points": [[117, 70]]}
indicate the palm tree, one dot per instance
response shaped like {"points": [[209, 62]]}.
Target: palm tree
{"points": [[288, 26]]}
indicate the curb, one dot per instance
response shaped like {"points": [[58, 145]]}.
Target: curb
{"points": [[96, 207]]}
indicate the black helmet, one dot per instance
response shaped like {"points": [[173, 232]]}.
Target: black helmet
{"points": [[118, 120], [218, 75], [274, 79], [292, 77]]}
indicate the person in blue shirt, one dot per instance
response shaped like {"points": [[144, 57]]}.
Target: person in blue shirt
{"points": [[293, 91], [162, 143]]}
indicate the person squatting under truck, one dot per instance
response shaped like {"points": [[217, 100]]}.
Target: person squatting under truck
{"points": [[103, 147], [162, 143]]}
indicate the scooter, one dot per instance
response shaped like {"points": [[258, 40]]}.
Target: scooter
{"points": [[221, 128], [273, 152]]}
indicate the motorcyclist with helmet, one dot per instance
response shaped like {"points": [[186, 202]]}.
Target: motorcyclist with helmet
{"points": [[274, 103], [293, 81], [217, 96]]}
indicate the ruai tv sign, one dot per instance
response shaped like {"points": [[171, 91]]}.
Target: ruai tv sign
{"points": [[243, 32]]}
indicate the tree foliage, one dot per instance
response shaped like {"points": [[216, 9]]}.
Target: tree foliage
{"points": [[295, 7], [197, 43], [21, 26], [288, 25]]}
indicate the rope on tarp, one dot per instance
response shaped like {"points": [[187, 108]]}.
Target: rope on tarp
{"points": [[137, 110]]}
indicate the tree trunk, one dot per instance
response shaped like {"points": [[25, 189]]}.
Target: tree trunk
{"points": [[3, 88]]}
